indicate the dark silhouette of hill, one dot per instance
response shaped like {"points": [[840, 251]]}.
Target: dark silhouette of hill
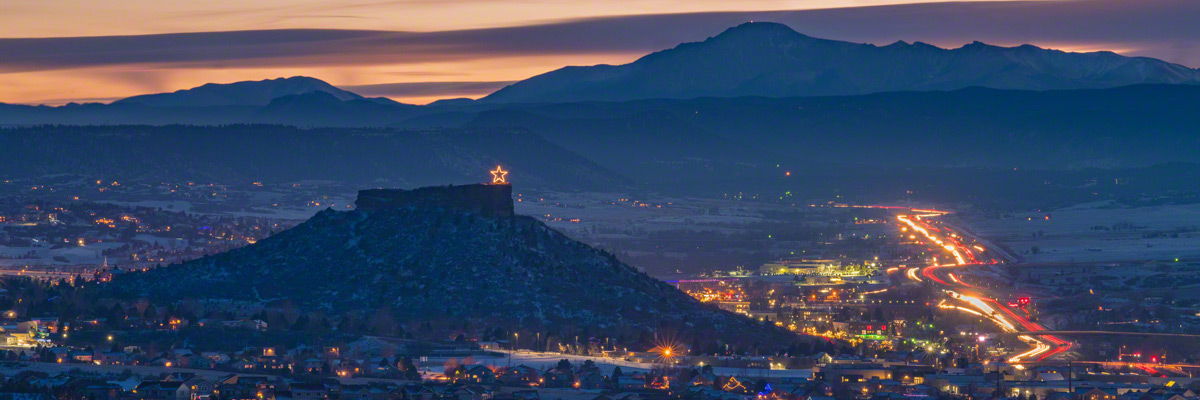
{"points": [[769, 59], [299, 101], [1132, 126], [649, 141], [447, 253], [247, 93], [647, 145], [324, 109]]}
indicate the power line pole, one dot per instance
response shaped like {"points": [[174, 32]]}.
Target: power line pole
{"points": [[1070, 380], [999, 376]]}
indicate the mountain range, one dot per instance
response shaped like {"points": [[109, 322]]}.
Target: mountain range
{"points": [[248, 93], [772, 60], [454, 253], [743, 105], [714, 143], [753, 59]]}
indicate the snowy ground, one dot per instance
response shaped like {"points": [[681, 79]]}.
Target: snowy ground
{"points": [[1096, 232], [542, 361], [44, 255]]}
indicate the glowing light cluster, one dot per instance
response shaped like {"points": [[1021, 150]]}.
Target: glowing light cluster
{"points": [[499, 176], [950, 247]]}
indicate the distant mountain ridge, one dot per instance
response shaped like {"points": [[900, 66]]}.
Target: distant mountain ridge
{"points": [[275, 153], [246, 93], [769, 59], [590, 144]]}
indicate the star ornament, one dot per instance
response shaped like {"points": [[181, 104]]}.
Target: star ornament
{"points": [[499, 175]]}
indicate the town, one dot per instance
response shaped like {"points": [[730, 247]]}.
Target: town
{"points": [[885, 333], [600, 200]]}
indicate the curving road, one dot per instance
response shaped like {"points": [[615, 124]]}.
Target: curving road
{"points": [[969, 298]]}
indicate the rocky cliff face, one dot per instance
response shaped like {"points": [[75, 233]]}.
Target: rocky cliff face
{"points": [[483, 199]]}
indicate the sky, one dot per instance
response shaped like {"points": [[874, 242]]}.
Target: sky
{"points": [[59, 51]]}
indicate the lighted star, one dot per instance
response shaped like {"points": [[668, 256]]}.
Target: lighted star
{"points": [[498, 176]]}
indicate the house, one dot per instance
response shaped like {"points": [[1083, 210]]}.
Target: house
{"points": [[198, 385], [631, 382], [161, 362], [1161, 396], [418, 392], [241, 386], [310, 365], [703, 379], [472, 392], [590, 381], [113, 358], [59, 355], [197, 362], [82, 356], [708, 393], [102, 391], [382, 365], [308, 391], [480, 374], [1170, 393], [1049, 377], [241, 365], [556, 378], [1102, 393], [521, 374], [128, 385], [366, 392], [162, 390]]}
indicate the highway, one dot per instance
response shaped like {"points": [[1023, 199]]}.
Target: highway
{"points": [[1142, 334], [974, 254], [969, 298]]}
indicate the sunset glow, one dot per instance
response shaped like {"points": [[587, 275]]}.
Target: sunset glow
{"points": [[417, 52]]}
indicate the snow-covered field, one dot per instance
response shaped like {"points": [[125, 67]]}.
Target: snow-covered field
{"points": [[44, 255], [600, 209], [542, 361], [1096, 232]]}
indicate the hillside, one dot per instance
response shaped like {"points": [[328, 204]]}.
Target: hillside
{"points": [[440, 253], [651, 142], [1131, 126], [769, 59], [645, 145], [271, 153]]}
